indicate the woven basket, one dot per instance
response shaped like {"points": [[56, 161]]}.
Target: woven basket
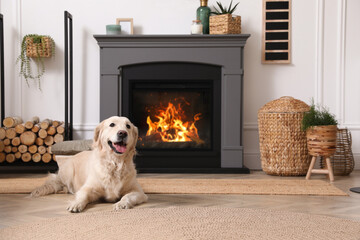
{"points": [[35, 50], [282, 142], [321, 140], [225, 24], [343, 160]]}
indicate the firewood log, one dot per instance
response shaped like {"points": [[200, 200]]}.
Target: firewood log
{"points": [[2, 133], [36, 157], [42, 133], [57, 123], [46, 157], [7, 149], [7, 141], [35, 128], [26, 157], [17, 155], [29, 125], [28, 138], [22, 148], [2, 157], [35, 119], [45, 123], [41, 149], [15, 141], [51, 131], [60, 129], [49, 140], [20, 128], [48, 150], [14, 149], [2, 146], [10, 133], [10, 122], [58, 138], [39, 141], [10, 157], [32, 149]]}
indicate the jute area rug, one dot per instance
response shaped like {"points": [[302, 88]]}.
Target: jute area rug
{"points": [[204, 186], [187, 223]]}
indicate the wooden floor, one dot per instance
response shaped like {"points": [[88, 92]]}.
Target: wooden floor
{"points": [[19, 208]]}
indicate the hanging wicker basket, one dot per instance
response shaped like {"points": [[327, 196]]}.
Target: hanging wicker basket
{"points": [[282, 142], [343, 159], [42, 49], [225, 24], [321, 140]]}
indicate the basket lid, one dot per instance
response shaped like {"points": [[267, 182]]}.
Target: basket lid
{"points": [[285, 104]]}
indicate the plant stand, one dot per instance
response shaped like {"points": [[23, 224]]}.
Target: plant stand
{"points": [[321, 141], [327, 170]]}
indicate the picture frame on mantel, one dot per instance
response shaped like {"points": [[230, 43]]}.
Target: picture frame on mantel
{"points": [[127, 25]]}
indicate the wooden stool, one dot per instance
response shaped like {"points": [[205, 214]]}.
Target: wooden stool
{"points": [[327, 170]]}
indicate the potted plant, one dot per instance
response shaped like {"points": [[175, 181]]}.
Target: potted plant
{"points": [[223, 22], [321, 128], [35, 48]]}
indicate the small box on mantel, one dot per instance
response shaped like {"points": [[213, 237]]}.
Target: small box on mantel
{"points": [[225, 24]]}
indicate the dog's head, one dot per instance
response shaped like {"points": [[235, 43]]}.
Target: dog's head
{"points": [[117, 135]]}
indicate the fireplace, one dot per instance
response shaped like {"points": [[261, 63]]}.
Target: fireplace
{"points": [[185, 95], [176, 107]]}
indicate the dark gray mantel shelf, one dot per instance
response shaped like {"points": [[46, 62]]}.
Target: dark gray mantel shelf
{"points": [[171, 40]]}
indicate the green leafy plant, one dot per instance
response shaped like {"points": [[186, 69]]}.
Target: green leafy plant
{"points": [[25, 60], [224, 10], [318, 116]]}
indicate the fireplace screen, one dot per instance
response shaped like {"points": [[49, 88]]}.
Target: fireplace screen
{"points": [[170, 116]]}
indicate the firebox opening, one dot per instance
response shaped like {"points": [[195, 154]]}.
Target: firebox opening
{"points": [[173, 118]]}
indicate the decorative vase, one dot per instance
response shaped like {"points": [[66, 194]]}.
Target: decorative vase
{"points": [[203, 14], [321, 140]]}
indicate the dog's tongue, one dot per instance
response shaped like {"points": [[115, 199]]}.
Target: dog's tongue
{"points": [[119, 148]]}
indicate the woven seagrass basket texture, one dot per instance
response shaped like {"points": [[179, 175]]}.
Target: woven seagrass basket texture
{"points": [[42, 49], [283, 146], [225, 24], [343, 159]]}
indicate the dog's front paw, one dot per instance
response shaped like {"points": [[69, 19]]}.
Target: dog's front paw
{"points": [[35, 193], [122, 205], [76, 207]]}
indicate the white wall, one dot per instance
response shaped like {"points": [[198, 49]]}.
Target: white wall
{"points": [[325, 57]]}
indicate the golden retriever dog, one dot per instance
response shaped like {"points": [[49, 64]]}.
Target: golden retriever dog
{"points": [[106, 172]]}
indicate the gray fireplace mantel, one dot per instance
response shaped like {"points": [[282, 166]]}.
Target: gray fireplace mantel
{"points": [[226, 51]]}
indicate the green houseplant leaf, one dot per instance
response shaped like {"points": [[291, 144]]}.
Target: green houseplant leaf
{"points": [[318, 116], [223, 10]]}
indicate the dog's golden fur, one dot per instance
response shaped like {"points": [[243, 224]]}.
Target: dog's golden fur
{"points": [[107, 172]]}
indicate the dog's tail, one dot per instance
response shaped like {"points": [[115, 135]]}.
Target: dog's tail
{"points": [[52, 185]]}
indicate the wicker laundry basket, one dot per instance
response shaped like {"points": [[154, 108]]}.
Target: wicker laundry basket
{"points": [[343, 159], [282, 142]]}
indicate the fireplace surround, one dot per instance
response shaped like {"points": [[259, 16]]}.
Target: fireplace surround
{"points": [[204, 72]]}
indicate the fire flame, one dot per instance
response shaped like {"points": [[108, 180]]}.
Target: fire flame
{"points": [[171, 127]]}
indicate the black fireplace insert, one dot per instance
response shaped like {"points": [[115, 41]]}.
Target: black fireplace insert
{"points": [[176, 107]]}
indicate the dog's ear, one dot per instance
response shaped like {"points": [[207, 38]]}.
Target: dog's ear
{"points": [[97, 132], [136, 131]]}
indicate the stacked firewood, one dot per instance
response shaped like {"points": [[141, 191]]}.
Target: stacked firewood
{"points": [[30, 140]]}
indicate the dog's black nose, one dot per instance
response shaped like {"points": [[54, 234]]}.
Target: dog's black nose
{"points": [[122, 134]]}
